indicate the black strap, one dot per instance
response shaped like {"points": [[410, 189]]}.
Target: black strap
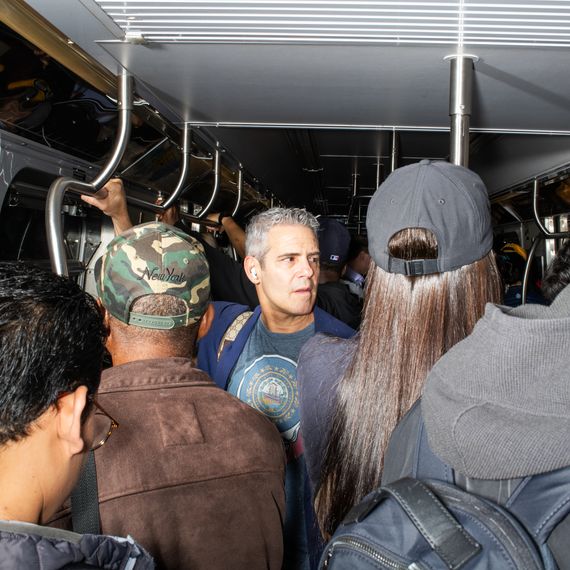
{"points": [[85, 500], [412, 267], [435, 523]]}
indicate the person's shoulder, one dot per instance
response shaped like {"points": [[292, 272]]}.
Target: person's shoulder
{"points": [[225, 306], [225, 313], [246, 422], [324, 348], [326, 323]]}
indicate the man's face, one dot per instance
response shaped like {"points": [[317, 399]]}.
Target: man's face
{"points": [[362, 263], [289, 272]]}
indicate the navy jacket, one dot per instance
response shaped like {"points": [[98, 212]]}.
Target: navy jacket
{"points": [[35, 547], [225, 314]]}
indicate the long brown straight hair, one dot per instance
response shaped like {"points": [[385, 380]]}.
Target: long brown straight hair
{"points": [[408, 324]]}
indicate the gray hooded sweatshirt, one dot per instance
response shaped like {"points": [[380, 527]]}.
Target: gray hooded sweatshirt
{"points": [[497, 405]]}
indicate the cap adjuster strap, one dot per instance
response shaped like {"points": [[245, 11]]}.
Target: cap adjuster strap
{"points": [[160, 323], [412, 267]]}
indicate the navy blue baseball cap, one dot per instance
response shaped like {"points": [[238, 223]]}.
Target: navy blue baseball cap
{"points": [[334, 242]]}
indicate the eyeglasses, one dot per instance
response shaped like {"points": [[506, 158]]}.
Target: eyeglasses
{"points": [[103, 425]]}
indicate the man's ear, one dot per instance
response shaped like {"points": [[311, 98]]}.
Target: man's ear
{"points": [[252, 269], [206, 321], [108, 327], [69, 411]]}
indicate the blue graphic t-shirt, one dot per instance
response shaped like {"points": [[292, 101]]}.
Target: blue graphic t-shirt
{"points": [[265, 377]]}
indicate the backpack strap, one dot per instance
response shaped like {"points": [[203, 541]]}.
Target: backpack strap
{"points": [[434, 522], [559, 545], [233, 330], [85, 500]]}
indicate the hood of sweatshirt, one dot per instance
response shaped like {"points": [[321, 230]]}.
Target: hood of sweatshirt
{"points": [[497, 405]]}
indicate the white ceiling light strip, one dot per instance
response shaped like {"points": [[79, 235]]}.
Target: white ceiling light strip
{"points": [[462, 22]]}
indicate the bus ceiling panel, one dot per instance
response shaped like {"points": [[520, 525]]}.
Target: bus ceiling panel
{"points": [[508, 160], [260, 84], [376, 86], [350, 76], [313, 62]]}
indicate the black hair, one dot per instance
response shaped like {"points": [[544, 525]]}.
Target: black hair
{"points": [[52, 340], [334, 267], [511, 267], [358, 243], [557, 274]]}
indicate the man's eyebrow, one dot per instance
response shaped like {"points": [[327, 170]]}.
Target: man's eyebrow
{"points": [[297, 254]]}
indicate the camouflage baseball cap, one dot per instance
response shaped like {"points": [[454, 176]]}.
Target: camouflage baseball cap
{"points": [[153, 259]]}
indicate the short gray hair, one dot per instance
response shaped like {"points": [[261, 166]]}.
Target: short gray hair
{"points": [[259, 226]]}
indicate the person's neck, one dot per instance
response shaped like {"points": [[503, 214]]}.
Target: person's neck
{"points": [[328, 276], [21, 495], [285, 324], [126, 354]]}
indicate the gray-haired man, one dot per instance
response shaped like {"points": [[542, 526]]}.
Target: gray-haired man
{"points": [[254, 355]]}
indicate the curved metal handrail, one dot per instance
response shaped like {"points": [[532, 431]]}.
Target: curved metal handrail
{"points": [[239, 191], [186, 156], [216, 188], [159, 209], [547, 233], [530, 257], [60, 186]]}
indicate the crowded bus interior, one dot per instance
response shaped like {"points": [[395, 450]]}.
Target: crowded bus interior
{"points": [[403, 167]]}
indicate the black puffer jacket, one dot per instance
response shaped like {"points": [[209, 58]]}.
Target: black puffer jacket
{"points": [[28, 546]]}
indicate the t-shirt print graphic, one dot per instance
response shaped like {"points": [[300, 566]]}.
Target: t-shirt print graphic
{"points": [[269, 385]]}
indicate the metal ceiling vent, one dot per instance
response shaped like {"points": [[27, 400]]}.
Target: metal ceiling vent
{"points": [[465, 22]]}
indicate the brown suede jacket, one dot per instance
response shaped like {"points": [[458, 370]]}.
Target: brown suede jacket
{"points": [[192, 473]]}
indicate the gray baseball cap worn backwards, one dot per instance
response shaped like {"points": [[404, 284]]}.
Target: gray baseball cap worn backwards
{"points": [[450, 201], [153, 259]]}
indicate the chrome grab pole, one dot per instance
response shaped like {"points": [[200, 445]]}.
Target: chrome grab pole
{"points": [[531, 253], [394, 152], [186, 155], [544, 234], [216, 188], [239, 190], [62, 185], [460, 95]]}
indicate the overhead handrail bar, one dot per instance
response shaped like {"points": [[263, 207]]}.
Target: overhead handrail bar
{"points": [[547, 233], [216, 188], [239, 191], [64, 184]]}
